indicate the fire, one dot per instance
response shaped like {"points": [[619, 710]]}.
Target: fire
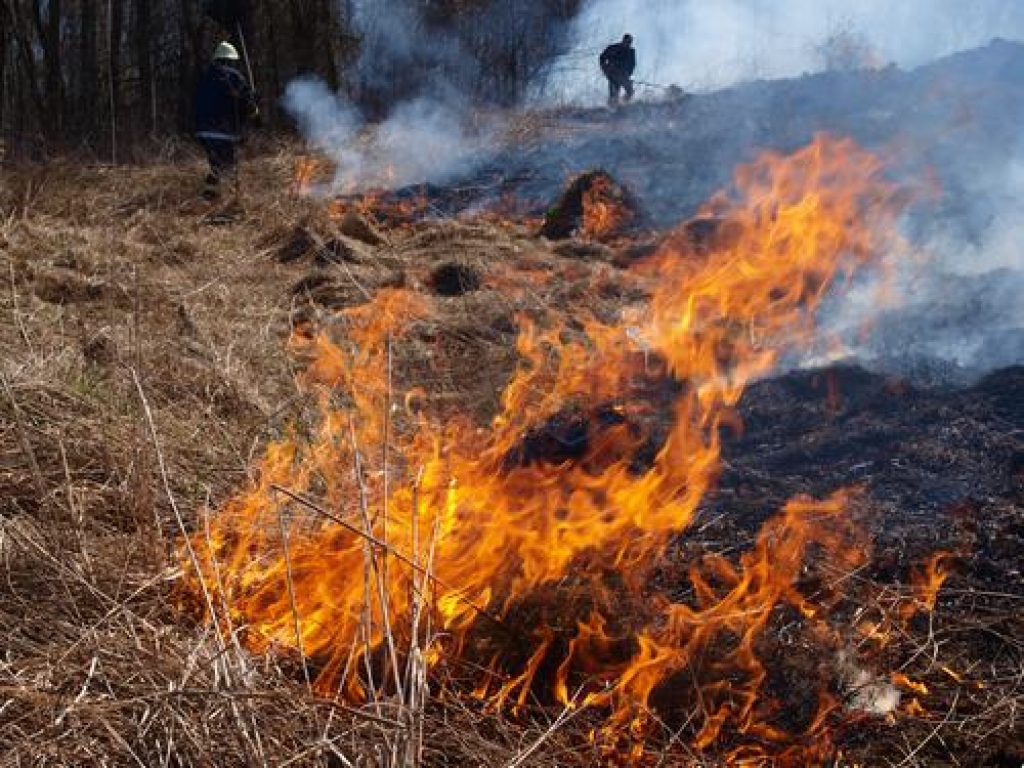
{"points": [[926, 581], [383, 208], [306, 171], [604, 212], [390, 533], [929, 580]]}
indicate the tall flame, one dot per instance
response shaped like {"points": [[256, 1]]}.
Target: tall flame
{"points": [[540, 566]]}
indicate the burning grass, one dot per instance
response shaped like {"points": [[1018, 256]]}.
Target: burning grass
{"points": [[379, 591], [384, 541]]}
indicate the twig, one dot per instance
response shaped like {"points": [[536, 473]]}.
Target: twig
{"points": [[291, 598], [375, 562], [320, 745], [192, 556], [14, 308], [567, 715], [81, 694], [313, 507], [935, 732], [182, 528], [26, 444]]}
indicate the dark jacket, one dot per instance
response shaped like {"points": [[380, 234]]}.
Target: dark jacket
{"points": [[224, 101], [618, 61]]}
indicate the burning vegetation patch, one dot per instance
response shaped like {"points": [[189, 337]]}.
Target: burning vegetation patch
{"points": [[514, 525], [536, 563], [593, 206]]}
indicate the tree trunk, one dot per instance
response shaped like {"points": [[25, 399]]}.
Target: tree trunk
{"points": [[50, 35], [329, 41], [144, 57], [115, 34], [89, 70], [28, 82], [192, 61], [6, 35]]}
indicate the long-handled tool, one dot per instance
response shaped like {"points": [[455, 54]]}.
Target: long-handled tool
{"points": [[252, 84], [657, 85], [245, 55]]}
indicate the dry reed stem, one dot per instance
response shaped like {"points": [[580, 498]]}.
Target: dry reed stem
{"points": [[196, 320]]}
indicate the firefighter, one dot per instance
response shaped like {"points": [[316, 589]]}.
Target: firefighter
{"points": [[224, 102], [618, 62]]}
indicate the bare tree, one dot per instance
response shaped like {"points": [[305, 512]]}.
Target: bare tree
{"points": [[108, 72]]}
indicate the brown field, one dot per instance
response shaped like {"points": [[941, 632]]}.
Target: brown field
{"points": [[146, 366]]}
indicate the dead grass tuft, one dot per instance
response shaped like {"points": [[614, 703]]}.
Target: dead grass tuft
{"points": [[144, 367]]}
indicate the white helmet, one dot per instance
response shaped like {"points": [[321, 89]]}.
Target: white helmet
{"points": [[226, 51]]}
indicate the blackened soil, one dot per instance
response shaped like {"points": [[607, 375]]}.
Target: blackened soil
{"points": [[941, 470]]}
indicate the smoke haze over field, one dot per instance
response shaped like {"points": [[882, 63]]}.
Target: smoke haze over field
{"points": [[423, 139], [961, 302], [955, 123], [700, 45]]}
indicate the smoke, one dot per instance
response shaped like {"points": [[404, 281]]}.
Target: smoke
{"points": [[402, 55], [702, 45], [953, 310], [409, 118], [958, 300], [425, 139]]}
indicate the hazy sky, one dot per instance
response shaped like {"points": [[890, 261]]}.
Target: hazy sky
{"points": [[700, 44]]}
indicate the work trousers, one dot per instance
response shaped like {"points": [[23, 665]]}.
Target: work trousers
{"points": [[617, 86]]}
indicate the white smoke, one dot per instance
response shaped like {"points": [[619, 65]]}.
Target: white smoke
{"points": [[999, 245], [428, 133], [423, 140], [957, 299], [700, 44]]}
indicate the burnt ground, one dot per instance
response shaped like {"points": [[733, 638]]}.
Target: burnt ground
{"points": [[145, 367], [937, 470], [949, 130], [921, 451], [957, 117], [941, 470]]}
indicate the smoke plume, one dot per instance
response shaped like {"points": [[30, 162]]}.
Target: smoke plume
{"points": [[425, 139], [959, 302], [701, 45]]}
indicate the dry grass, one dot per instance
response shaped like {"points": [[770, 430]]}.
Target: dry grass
{"points": [[143, 368]]}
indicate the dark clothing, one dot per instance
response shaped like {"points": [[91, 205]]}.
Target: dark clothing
{"points": [[221, 154], [224, 102], [615, 87], [618, 62]]}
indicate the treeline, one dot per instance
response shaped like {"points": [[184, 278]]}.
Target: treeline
{"points": [[110, 76]]}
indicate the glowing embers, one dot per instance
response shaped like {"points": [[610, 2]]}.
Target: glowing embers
{"points": [[592, 206], [388, 533], [606, 212]]}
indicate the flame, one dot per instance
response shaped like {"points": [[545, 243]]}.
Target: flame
{"points": [[926, 581], [604, 212], [306, 171], [903, 681], [529, 549], [383, 208]]}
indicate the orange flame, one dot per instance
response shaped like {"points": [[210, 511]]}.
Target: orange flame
{"points": [[543, 563], [926, 581], [604, 213], [383, 208], [306, 171]]}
